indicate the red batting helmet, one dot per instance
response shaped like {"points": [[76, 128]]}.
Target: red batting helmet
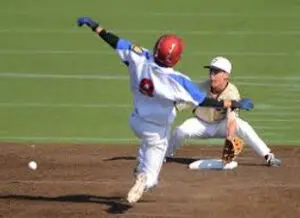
{"points": [[167, 50]]}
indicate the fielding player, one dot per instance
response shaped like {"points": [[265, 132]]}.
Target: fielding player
{"points": [[218, 122], [155, 86]]}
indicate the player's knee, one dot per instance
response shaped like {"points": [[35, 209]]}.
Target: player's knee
{"points": [[160, 144], [243, 124], [179, 133], [242, 127]]}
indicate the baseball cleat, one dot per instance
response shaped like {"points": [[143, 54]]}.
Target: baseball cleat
{"points": [[137, 190], [271, 161]]}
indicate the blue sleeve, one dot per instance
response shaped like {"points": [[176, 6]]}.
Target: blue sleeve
{"points": [[124, 44], [190, 87], [126, 51]]}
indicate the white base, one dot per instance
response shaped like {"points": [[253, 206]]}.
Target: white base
{"points": [[213, 164]]}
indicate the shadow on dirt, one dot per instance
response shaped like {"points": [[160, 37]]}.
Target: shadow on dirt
{"points": [[183, 160], [120, 158], [117, 205], [179, 160], [253, 164]]}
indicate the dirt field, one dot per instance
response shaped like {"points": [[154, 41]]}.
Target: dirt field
{"points": [[91, 180]]}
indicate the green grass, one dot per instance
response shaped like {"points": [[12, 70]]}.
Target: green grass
{"points": [[261, 37]]}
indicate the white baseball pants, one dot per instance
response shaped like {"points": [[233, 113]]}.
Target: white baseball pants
{"points": [[153, 147], [196, 128]]}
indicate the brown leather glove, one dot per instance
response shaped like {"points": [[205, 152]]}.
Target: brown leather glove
{"points": [[232, 148]]}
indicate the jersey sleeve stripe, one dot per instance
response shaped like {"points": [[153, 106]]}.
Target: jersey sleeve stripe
{"points": [[123, 44], [190, 87]]}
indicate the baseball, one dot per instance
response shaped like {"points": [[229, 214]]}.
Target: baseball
{"points": [[32, 165]]}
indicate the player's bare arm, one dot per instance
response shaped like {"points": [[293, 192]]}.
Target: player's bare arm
{"points": [[231, 124]]}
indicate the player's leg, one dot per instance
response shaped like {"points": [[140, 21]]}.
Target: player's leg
{"points": [[248, 134], [150, 155], [220, 129], [139, 159], [192, 127], [153, 145]]}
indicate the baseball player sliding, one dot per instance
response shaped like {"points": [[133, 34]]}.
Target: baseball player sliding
{"points": [[155, 86], [219, 123]]}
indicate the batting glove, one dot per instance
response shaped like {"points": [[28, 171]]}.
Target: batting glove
{"points": [[246, 104], [87, 21]]}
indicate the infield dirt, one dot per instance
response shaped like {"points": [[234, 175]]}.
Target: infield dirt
{"points": [[91, 181]]}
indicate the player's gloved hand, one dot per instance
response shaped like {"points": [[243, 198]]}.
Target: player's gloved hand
{"points": [[87, 21], [246, 104]]}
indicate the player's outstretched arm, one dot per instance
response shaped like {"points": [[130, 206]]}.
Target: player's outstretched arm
{"points": [[192, 93], [245, 104], [110, 38]]}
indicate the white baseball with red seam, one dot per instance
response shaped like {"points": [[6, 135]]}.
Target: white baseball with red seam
{"points": [[32, 165]]}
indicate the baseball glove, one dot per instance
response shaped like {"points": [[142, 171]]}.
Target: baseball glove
{"points": [[232, 148]]}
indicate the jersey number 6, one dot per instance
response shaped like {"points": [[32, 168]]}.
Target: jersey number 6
{"points": [[146, 87]]}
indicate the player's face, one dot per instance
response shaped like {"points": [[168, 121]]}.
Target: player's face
{"points": [[218, 79]]}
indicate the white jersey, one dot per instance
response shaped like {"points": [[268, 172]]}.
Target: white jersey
{"points": [[155, 88]]}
